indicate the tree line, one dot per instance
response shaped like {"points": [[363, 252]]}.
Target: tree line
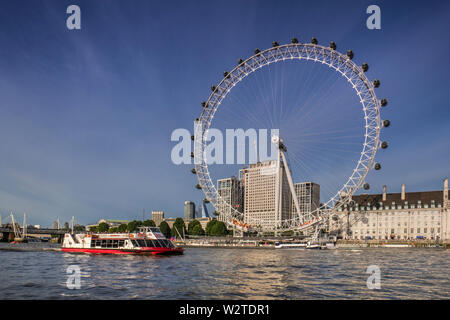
{"points": [[213, 228]]}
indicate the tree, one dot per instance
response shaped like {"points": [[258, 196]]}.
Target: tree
{"points": [[113, 229], [209, 226], [149, 223], [103, 227], [133, 225], [192, 224], [93, 229], [78, 227], [165, 229], [178, 226], [122, 228], [219, 229], [197, 230]]}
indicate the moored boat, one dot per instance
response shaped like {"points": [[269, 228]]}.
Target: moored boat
{"points": [[148, 240], [290, 246]]}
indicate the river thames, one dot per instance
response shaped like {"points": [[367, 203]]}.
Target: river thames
{"points": [[213, 273]]}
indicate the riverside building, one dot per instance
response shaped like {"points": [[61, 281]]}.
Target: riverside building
{"points": [[189, 210], [308, 196], [231, 193], [260, 185], [158, 217], [403, 216]]}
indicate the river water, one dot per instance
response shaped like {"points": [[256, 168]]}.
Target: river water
{"points": [[212, 273]]}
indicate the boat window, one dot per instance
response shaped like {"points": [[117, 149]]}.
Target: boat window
{"points": [[103, 243], [135, 243], [142, 243], [157, 243], [115, 244], [121, 243]]}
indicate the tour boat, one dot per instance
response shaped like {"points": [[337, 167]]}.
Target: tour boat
{"points": [[148, 240]]}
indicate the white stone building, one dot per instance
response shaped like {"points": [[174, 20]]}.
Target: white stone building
{"points": [[404, 215]]}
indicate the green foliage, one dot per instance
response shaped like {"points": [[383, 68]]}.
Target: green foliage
{"points": [[78, 227], [103, 227], [165, 229], [180, 226], [122, 228], [113, 229], [219, 229], [191, 225], [209, 226], [197, 230], [93, 229], [149, 223], [133, 225]]}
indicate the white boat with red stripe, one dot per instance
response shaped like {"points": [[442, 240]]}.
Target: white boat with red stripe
{"points": [[148, 240]]}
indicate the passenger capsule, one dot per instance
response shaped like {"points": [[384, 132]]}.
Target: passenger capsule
{"points": [[198, 186], [383, 102], [192, 138], [193, 171], [197, 119], [384, 145], [294, 40], [192, 154], [213, 88], [275, 44], [376, 83], [350, 54], [386, 123], [205, 200], [366, 186], [240, 61], [226, 74], [333, 45], [257, 51], [203, 104], [377, 166], [314, 41], [365, 67]]}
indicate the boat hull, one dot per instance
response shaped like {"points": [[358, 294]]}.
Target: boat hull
{"points": [[141, 251]]}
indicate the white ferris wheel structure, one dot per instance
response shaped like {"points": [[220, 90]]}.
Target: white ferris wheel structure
{"points": [[373, 124]]}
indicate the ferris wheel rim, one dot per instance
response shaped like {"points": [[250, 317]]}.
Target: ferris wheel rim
{"points": [[294, 51]]}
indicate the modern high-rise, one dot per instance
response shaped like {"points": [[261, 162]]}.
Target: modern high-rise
{"points": [[308, 197], [189, 210], [230, 196], [403, 215], [261, 202], [158, 217]]}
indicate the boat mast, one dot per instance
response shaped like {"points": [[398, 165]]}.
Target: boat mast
{"points": [[24, 226]]}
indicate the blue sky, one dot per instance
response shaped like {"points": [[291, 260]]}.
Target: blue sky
{"points": [[86, 115]]}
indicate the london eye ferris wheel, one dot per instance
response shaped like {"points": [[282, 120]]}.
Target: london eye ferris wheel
{"points": [[328, 129]]}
